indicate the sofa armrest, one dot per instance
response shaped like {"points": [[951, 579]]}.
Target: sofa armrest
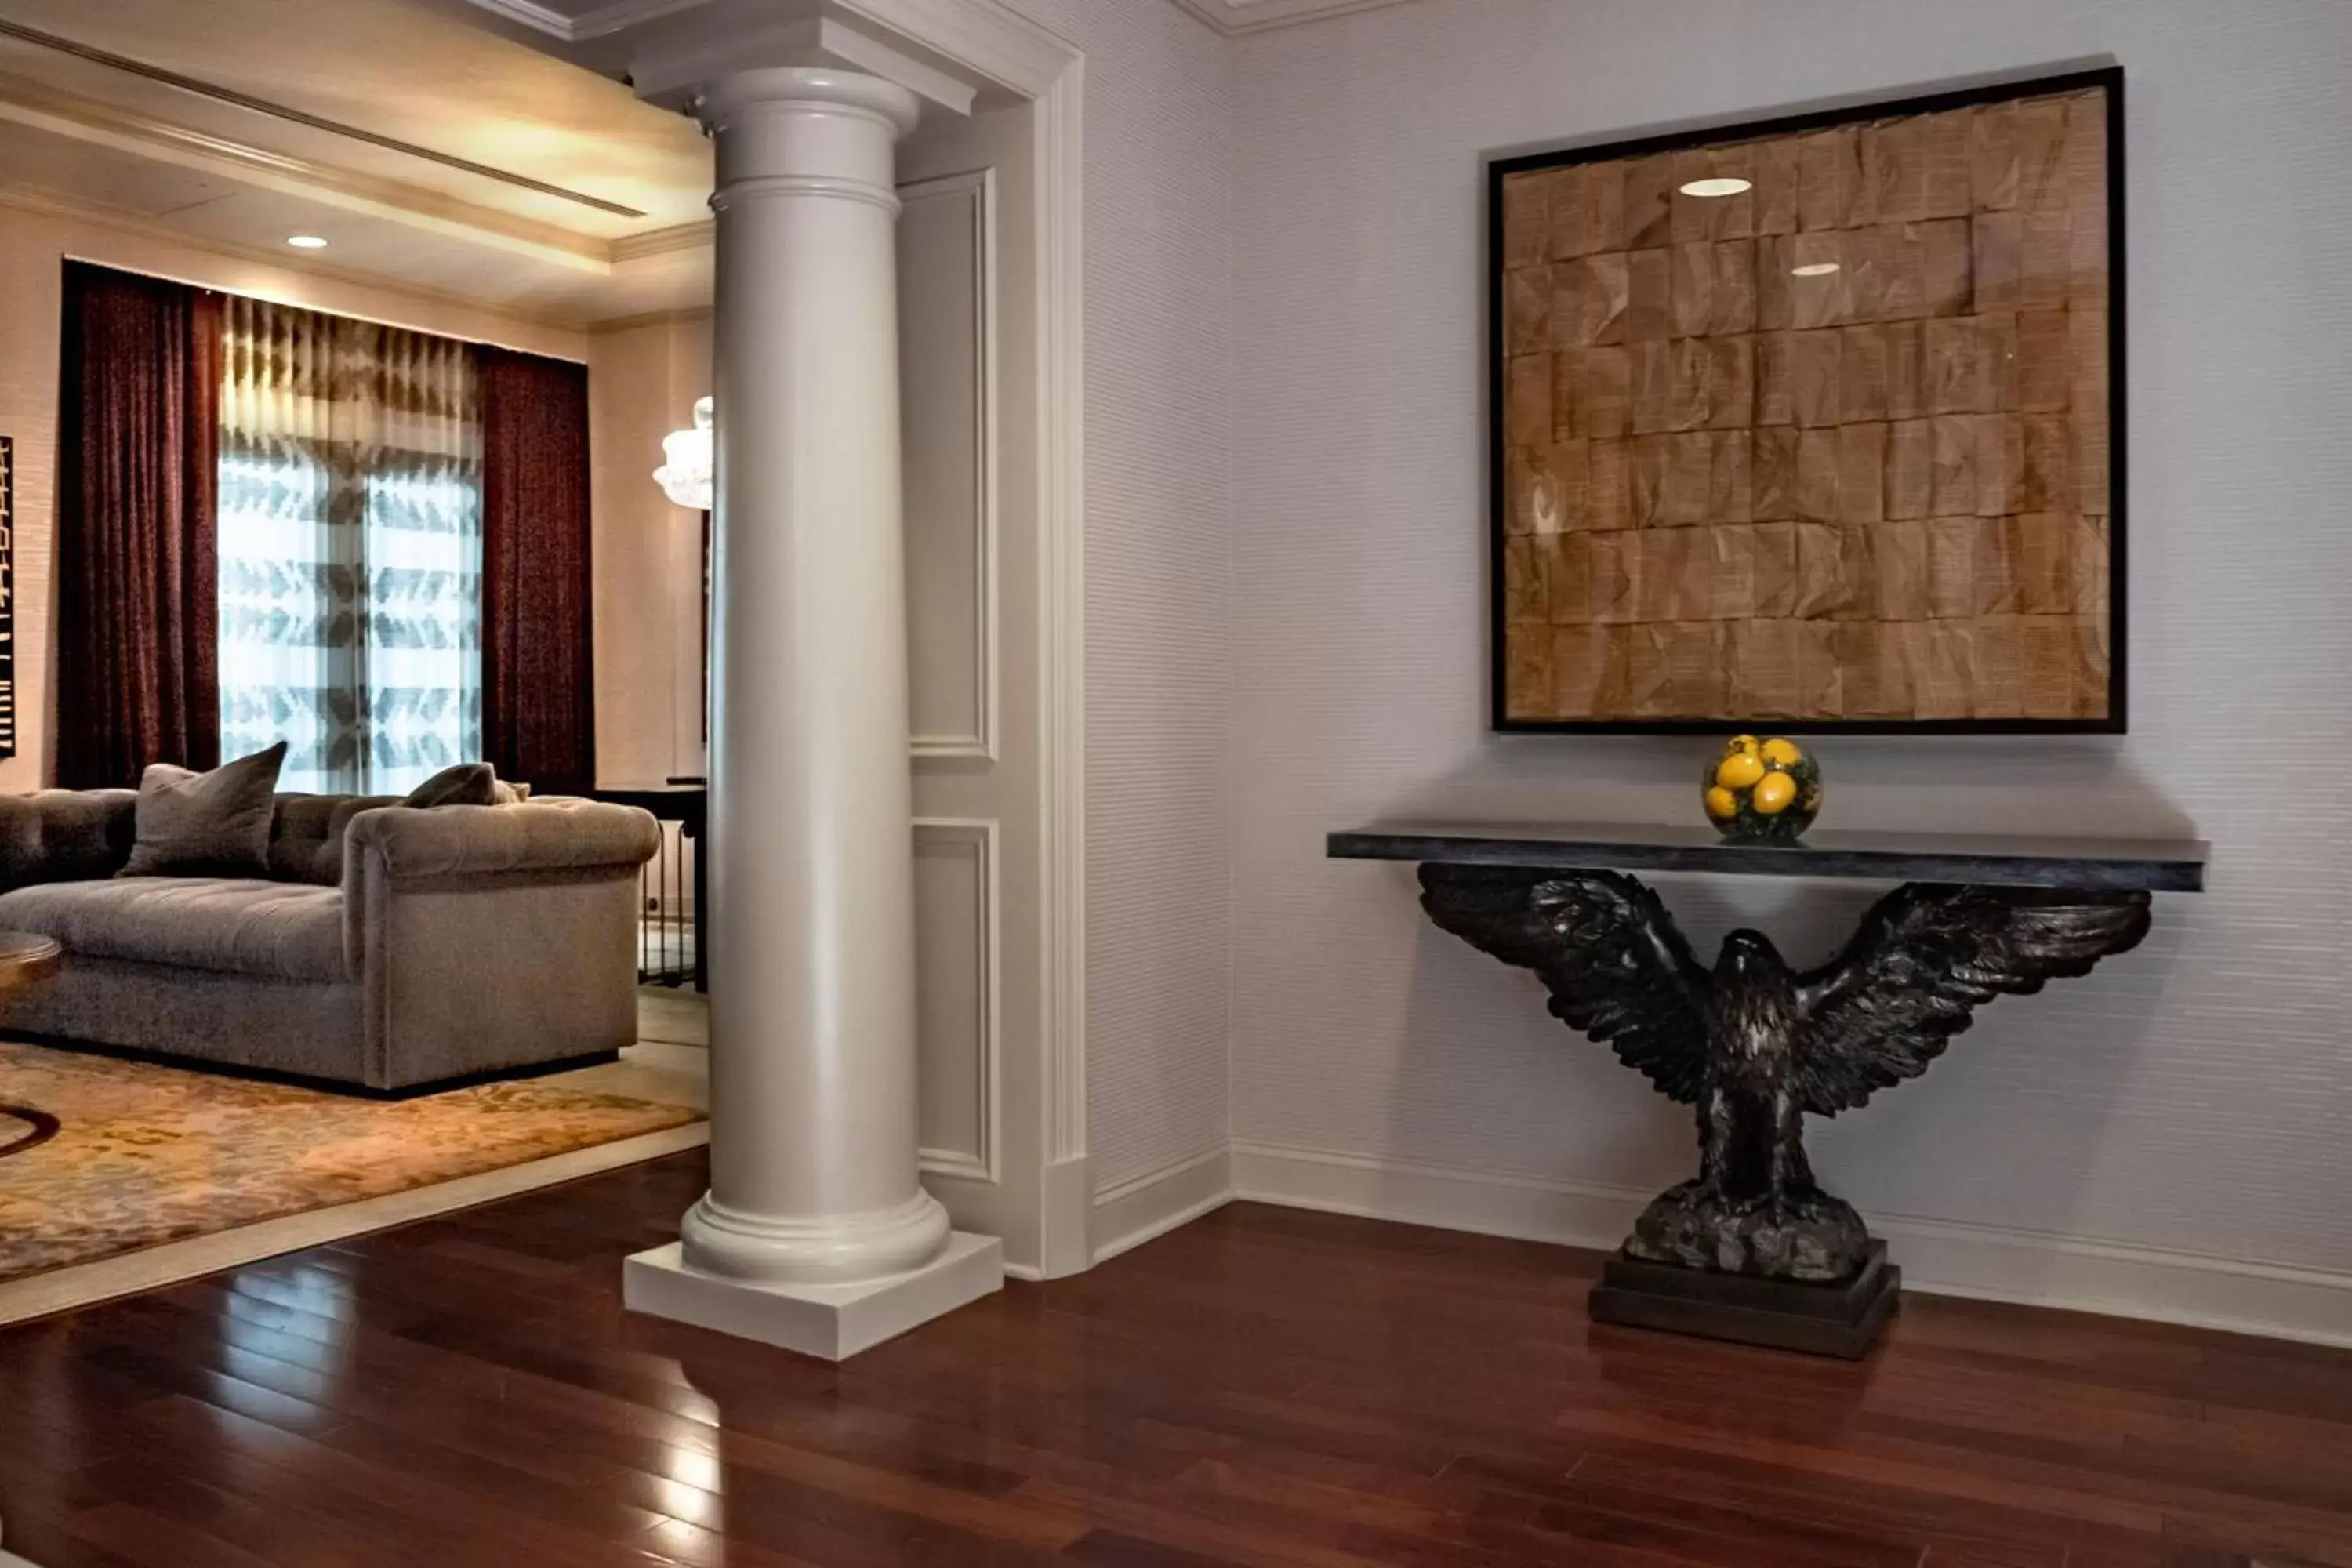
{"points": [[65, 835], [488, 936], [435, 843]]}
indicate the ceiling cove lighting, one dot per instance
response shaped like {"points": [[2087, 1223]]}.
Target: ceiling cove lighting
{"points": [[1813, 269], [1721, 185], [306, 242]]}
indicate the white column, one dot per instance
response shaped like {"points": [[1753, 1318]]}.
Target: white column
{"points": [[816, 1232]]}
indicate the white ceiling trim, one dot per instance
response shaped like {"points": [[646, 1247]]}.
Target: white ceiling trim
{"points": [[1233, 17], [697, 236], [596, 24], [989, 39]]}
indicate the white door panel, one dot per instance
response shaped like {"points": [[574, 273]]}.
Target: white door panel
{"points": [[968, 397]]}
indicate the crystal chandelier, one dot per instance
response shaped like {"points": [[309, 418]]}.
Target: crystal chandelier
{"points": [[686, 477]]}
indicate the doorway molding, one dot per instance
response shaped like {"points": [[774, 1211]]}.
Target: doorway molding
{"points": [[1015, 57]]}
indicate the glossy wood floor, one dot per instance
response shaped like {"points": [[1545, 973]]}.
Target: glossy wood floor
{"points": [[1264, 1387]]}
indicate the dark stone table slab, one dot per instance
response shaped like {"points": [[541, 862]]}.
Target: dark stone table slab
{"points": [[1752, 1249], [2147, 865]]}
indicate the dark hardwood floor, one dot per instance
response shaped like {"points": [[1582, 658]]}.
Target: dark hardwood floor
{"points": [[1263, 1386]]}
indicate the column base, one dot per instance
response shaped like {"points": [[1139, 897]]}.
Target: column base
{"points": [[831, 1322]]}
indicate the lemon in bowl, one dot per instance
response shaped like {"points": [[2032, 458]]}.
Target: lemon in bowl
{"points": [[1762, 792]]}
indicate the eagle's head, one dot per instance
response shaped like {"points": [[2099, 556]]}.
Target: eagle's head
{"points": [[1748, 957]]}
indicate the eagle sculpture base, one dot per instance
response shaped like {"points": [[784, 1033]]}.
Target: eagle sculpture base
{"points": [[1754, 1046], [1840, 1319], [1813, 1238]]}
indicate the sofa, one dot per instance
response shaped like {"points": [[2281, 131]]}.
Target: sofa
{"points": [[389, 948]]}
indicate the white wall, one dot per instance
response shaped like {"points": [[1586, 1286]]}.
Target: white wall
{"points": [[646, 555], [1159, 260], [2194, 1095]]}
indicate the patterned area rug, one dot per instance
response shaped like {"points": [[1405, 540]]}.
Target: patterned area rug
{"points": [[100, 1156]]}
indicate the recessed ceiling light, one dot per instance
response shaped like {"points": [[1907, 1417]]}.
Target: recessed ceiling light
{"points": [[1813, 269], [1723, 185], [306, 242]]}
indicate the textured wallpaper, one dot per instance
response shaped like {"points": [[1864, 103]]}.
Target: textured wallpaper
{"points": [[1159, 185], [2195, 1094]]}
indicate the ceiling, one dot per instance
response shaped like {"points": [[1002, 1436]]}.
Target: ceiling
{"points": [[436, 144], [429, 153]]}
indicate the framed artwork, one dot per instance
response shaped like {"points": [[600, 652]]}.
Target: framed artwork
{"points": [[1815, 423]]}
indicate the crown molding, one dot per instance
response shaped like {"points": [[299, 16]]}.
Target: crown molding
{"points": [[699, 315], [699, 235], [1234, 17], [596, 24], [987, 37]]}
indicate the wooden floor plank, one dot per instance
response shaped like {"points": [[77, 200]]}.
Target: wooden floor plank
{"points": [[1263, 1388]]}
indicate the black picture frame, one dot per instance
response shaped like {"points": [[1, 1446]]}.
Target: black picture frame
{"points": [[2107, 79]]}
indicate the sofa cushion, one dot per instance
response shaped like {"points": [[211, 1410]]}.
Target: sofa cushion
{"points": [[212, 824], [288, 930], [60, 835]]}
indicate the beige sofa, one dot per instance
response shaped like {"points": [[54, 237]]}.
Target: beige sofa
{"points": [[390, 946]]}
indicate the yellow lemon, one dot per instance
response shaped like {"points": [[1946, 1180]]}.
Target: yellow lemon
{"points": [[1740, 743], [1774, 792], [1739, 772], [1721, 803], [1782, 754]]}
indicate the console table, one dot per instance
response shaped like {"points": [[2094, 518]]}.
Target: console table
{"points": [[1751, 1249]]}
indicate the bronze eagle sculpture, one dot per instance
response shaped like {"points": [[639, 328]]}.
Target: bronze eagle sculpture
{"points": [[1754, 1045]]}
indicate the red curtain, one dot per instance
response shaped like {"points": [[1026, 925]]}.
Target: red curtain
{"points": [[539, 710], [138, 647]]}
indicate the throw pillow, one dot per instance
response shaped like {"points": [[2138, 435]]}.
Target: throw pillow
{"points": [[467, 784], [206, 824]]}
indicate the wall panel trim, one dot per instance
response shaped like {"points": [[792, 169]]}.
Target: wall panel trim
{"points": [[978, 835], [980, 188]]}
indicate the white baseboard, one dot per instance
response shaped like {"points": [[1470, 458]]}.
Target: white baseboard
{"points": [[1939, 1257], [1068, 1244], [1136, 1210]]}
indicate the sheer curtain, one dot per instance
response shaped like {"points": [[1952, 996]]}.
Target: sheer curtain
{"points": [[349, 548]]}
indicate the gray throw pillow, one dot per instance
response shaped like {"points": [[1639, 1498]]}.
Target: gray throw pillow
{"points": [[467, 784], [206, 824]]}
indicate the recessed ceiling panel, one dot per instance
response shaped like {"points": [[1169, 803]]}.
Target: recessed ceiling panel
{"points": [[394, 69]]}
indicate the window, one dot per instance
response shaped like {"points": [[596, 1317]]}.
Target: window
{"points": [[350, 546]]}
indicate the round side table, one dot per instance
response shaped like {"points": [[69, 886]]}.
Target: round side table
{"points": [[24, 959]]}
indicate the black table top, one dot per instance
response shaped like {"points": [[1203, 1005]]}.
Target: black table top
{"points": [[2156, 864], [670, 802]]}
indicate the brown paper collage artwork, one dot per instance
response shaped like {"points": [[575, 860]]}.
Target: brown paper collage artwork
{"points": [[1833, 447]]}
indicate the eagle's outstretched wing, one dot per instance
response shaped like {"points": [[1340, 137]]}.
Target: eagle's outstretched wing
{"points": [[1925, 958], [1604, 947]]}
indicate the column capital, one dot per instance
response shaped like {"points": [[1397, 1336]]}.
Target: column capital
{"points": [[722, 101], [795, 132]]}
